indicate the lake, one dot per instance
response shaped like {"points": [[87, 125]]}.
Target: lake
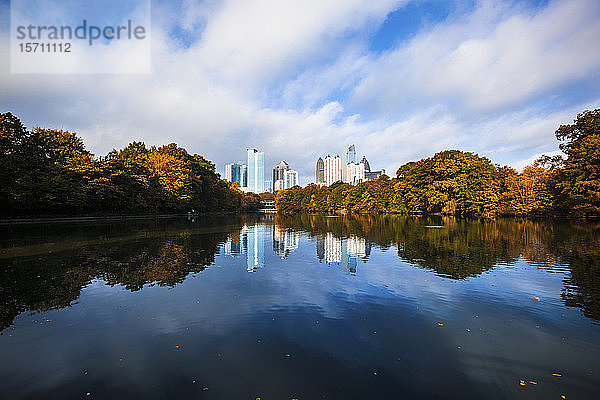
{"points": [[300, 307]]}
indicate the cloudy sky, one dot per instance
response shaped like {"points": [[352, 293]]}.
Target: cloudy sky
{"points": [[299, 79]]}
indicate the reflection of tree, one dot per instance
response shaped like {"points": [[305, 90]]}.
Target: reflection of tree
{"points": [[464, 248], [37, 276], [120, 254], [579, 248]]}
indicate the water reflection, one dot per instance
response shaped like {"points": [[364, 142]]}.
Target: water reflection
{"points": [[458, 249], [46, 267], [350, 307]]}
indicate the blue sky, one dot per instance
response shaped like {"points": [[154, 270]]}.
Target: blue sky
{"points": [[399, 79]]}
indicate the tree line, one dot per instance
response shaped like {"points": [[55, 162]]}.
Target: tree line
{"points": [[455, 182], [50, 172]]}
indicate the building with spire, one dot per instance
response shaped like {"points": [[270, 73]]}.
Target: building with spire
{"points": [[365, 162], [320, 172]]}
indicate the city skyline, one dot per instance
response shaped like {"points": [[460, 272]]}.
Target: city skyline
{"points": [[401, 80], [251, 176]]}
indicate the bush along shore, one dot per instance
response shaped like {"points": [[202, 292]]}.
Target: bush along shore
{"points": [[462, 183], [48, 172]]}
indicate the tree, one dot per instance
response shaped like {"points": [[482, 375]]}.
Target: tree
{"points": [[578, 182]]}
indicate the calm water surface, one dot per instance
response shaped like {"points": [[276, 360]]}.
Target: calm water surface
{"points": [[300, 308]]}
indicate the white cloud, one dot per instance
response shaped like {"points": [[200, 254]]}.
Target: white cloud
{"points": [[297, 80]]}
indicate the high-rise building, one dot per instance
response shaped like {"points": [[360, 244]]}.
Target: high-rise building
{"points": [[268, 186], [320, 172], [279, 170], [236, 173], [366, 164], [256, 171], [348, 156], [370, 175], [278, 185], [290, 179], [332, 169], [355, 173]]}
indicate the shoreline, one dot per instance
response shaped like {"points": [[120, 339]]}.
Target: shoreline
{"points": [[92, 218]]}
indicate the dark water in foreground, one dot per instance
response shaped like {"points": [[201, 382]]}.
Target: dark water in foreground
{"points": [[300, 307]]}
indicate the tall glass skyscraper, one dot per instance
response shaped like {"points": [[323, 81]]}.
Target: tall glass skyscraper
{"points": [[235, 173], [348, 156], [256, 171]]}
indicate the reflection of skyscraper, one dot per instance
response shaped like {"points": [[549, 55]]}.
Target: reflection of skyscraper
{"points": [[255, 255], [256, 171], [320, 246], [333, 248], [357, 246], [348, 262], [284, 241], [343, 251], [237, 243]]}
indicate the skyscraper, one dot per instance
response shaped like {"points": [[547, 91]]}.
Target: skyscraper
{"points": [[320, 172], [332, 169], [268, 186], [355, 173], [366, 164], [348, 156], [290, 179], [244, 182], [256, 171], [279, 170], [235, 173], [278, 185]]}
